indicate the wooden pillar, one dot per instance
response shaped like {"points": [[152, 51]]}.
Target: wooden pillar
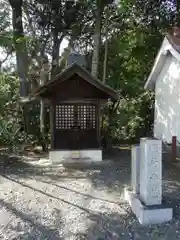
{"points": [[52, 124], [173, 153], [98, 123]]}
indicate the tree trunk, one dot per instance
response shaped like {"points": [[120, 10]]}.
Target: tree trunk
{"points": [[55, 51], [105, 51], [20, 46], [97, 39], [21, 54], [68, 51], [44, 77], [55, 63], [56, 9]]}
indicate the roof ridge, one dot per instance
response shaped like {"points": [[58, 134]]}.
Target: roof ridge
{"points": [[84, 74]]}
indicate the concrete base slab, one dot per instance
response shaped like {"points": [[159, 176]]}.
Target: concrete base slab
{"points": [[147, 214], [69, 155]]}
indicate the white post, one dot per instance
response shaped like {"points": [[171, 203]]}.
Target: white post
{"points": [[135, 168], [151, 171]]}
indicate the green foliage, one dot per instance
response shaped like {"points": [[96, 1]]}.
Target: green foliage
{"points": [[8, 92], [135, 117], [9, 118], [131, 54], [129, 59], [13, 132], [128, 121]]}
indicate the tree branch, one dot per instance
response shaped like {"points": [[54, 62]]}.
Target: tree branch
{"points": [[5, 59]]}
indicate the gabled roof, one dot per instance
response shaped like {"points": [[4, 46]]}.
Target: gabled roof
{"points": [[84, 74], [170, 45]]}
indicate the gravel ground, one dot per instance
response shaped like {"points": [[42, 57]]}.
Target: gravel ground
{"points": [[77, 202]]}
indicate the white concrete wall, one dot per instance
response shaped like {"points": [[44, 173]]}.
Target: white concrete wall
{"points": [[167, 101]]}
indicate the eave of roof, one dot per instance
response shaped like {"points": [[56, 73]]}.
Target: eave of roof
{"points": [[77, 69], [166, 48]]}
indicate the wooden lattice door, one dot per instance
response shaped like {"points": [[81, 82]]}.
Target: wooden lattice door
{"points": [[76, 126]]}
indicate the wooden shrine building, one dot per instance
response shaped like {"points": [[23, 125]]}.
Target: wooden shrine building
{"points": [[75, 97]]}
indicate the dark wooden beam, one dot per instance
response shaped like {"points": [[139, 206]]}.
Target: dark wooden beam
{"points": [[52, 124], [98, 122]]}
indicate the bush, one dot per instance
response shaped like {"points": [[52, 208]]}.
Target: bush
{"points": [[130, 120]]}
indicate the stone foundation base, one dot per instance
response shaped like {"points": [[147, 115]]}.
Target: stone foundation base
{"points": [[147, 214], [83, 155]]}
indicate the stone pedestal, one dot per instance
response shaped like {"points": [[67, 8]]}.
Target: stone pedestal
{"points": [[147, 205], [147, 215], [151, 171], [135, 169], [60, 156]]}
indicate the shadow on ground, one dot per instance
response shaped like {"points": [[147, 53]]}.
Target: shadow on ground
{"points": [[35, 230], [102, 226], [103, 173], [112, 176]]}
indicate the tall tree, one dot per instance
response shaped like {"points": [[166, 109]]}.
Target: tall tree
{"points": [[57, 18], [97, 37], [20, 46], [100, 5]]}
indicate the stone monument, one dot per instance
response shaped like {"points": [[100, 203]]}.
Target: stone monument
{"points": [[145, 195], [135, 168], [151, 171]]}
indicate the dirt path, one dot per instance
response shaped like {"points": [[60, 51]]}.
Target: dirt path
{"points": [[77, 202]]}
